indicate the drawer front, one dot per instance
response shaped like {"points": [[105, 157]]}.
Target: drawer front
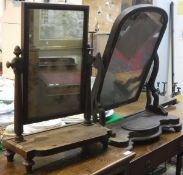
{"points": [[151, 160]]}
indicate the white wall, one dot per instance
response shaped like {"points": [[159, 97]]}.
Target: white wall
{"points": [[178, 40], [165, 47], [164, 53], [11, 30]]}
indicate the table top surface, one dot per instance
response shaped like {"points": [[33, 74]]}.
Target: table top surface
{"points": [[73, 162]]}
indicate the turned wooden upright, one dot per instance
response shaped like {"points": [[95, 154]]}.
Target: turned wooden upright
{"points": [[17, 65], [52, 141]]}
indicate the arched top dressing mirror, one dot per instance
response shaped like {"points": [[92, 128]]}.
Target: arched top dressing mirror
{"points": [[129, 53]]}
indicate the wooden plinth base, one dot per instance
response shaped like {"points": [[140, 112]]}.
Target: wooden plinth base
{"points": [[143, 126], [55, 141]]}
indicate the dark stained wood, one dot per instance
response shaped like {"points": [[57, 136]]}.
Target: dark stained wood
{"points": [[156, 153], [143, 126], [31, 59], [150, 155], [121, 82], [27, 75], [122, 135], [67, 135], [55, 141], [73, 162], [118, 83], [17, 66]]}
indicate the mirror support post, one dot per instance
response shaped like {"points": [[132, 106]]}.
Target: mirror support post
{"points": [[88, 108], [17, 65], [153, 92]]}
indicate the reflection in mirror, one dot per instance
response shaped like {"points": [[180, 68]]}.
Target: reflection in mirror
{"points": [[55, 58], [131, 56]]}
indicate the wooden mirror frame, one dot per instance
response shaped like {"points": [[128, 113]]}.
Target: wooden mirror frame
{"points": [[104, 61], [20, 66], [85, 74]]}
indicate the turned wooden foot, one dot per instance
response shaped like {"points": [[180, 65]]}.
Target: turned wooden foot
{"points": [[10, 155], [28, 163], [105, 143]]}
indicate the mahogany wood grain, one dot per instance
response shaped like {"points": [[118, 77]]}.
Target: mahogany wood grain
{"points": [[148, 155], [73, 162]]}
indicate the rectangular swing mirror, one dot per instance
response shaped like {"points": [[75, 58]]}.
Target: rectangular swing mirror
{"points": [[54, 46], [54, 82]]}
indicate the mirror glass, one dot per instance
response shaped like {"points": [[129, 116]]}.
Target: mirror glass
{"points": [[54, 62], [131, 56]]}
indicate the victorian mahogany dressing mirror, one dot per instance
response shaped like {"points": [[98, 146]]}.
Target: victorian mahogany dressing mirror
{"points": [[130, 52], [52, 80]]}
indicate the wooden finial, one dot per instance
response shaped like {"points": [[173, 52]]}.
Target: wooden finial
{"points": [[17, 51], [15, 64]]}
